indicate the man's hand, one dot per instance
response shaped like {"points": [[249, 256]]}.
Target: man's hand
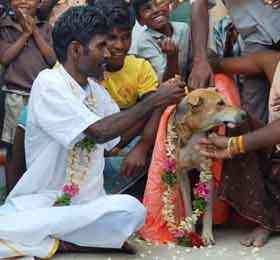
{"points": [[273, 3], [171, 92], [169, 47], [214, 146], [201, 75], [136, 160]]}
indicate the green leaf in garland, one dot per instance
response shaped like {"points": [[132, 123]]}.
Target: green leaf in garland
{"points": [[184, 241], [169, 179], [63, 200], [86, 144], [200, 204]]}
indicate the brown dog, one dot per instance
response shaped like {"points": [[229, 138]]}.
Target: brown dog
{"points": [[198, 113]]}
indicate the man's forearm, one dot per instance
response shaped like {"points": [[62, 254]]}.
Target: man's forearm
{"points": [[131, 133], [113, 126], [200, 28], [150, 130]]}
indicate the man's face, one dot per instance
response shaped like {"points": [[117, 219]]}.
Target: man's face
{"points": [[28, 7], [155, 15], [92, 60], [119, 41]]}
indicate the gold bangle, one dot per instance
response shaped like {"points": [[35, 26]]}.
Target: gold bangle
{"points": [[241, 144], [229, 147]]}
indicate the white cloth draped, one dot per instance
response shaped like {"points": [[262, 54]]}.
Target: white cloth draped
{"points": [[57, 118]]}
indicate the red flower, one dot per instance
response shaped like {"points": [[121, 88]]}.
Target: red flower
{"points": [[71, 189], [201, 190], [170, 165], [195, 239], [178, 233]]}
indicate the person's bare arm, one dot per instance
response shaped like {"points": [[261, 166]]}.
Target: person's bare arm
{"points": [[113, 126], [44, 47], [201, 74], [254, 64], [217, 146], [172, 53], [137, 158]]}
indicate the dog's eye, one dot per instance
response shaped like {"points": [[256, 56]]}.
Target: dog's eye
{"points": [[221, 103]]}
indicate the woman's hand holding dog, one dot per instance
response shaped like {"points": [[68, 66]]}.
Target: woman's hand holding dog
{"points": [[214, 146]]}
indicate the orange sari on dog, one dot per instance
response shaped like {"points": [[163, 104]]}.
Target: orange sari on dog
{"points": [[155, 228]]}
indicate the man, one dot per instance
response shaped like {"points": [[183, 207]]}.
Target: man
{"points": [[71, 120]]}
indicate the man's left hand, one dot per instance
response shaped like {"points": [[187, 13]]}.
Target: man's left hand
{"points": [[136, 160], [201, 75], [273, 3]]}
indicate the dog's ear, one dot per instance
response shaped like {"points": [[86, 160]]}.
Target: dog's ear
{"points": [[195, 103]]}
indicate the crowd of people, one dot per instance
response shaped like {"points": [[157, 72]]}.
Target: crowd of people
{"points": [[84, 86]]}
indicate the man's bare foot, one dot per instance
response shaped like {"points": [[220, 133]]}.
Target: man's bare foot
{"points": [[129, 249], [257, 238]]}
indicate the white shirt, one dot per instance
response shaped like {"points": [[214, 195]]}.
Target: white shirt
{"points": [[56, 120]]}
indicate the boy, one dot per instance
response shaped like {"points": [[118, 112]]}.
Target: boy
{"points": [[165, 44], [25, 50], [128, 80]]}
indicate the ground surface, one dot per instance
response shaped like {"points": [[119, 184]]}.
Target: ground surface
{"points": [[227, 248]]}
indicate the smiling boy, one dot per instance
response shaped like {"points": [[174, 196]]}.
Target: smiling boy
{"points": [[128, 80]]}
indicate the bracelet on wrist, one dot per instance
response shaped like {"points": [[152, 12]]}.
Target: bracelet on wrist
{"points": [[236, 145]]}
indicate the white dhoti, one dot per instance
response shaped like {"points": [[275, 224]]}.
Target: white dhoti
{"points": [[106, 223]]}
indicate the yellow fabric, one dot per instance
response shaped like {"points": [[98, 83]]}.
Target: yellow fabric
{"points": [[135, 79], [15, 251], [54, 249]]}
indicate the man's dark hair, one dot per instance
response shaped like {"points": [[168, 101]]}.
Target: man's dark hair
{"points": [[80, 24], [136, 4], [119, 13]]}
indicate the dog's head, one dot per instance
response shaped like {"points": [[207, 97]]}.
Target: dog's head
{"points": [[203, 109]]}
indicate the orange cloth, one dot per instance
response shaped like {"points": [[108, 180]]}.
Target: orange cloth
{"points": [[155, 228]]}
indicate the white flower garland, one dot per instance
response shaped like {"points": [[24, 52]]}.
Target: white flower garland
{"points": [[188, 223]]}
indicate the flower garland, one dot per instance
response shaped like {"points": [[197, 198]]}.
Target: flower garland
{"points": [[78, 162], [183, 231]]}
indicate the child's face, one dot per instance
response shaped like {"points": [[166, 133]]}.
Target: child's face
{"points": [[155, 14], [28, 7], [119, 41]]}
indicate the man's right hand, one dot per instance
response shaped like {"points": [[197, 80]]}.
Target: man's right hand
{"points": [[171, 92]]}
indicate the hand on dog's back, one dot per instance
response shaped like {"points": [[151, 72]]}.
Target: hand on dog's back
{"points": [[171, 92]]}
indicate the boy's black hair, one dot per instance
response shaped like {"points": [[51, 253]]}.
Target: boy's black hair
{"points": [[80, 24], [137, 5], [119, 13]]}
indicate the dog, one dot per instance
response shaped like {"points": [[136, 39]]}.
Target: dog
{"points": [[199, 112]]}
